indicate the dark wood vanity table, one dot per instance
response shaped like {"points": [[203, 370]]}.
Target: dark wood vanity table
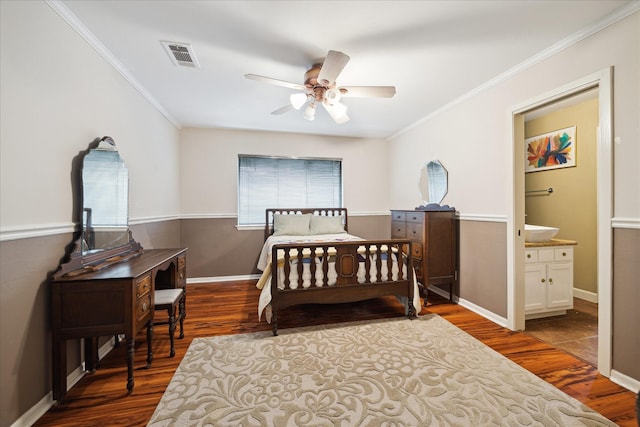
{"points": [[105, 284], [118, 299]]}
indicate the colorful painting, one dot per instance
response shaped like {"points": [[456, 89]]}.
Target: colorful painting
{"points": [[552, 150]]}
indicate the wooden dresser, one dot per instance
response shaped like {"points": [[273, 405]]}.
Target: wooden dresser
{"points": [[118, 299], [434, 245]]}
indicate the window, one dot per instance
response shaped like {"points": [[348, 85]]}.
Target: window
{"points": [[284, 182]]}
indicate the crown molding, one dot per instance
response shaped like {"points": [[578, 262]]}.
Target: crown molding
{"points": [[72, 20], [573, 39]]}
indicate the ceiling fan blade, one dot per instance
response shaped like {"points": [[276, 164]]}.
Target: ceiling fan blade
{"points": [[332, 66], [368, 91], [338, 112], [275, 81], [282, 110]]}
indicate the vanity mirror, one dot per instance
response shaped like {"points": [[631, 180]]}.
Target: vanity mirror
{"points": [[101, 193], [105, 194], [433, 184]]}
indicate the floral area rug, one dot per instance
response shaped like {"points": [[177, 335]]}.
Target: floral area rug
{"points": [[393, 372]]}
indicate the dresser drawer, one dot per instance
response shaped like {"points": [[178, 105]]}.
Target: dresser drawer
{"points": [[143, 285], [398, 229], [415, 217], [398, 216], [143, 308], [531, 256], [414, 230], [416, 250], [563, 254], [182, 270]]}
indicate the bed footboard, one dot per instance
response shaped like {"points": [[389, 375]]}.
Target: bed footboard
{"points": [[337, 272]]}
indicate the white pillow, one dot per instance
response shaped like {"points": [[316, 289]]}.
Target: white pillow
{"points": [[291, 225], [326, 225]]}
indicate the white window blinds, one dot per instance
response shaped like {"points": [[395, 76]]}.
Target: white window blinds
{"points": [[275, 182]]}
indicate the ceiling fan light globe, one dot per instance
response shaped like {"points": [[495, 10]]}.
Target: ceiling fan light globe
{"points": [[298, 100], [338, 112], [310, 112], [332, 96]]}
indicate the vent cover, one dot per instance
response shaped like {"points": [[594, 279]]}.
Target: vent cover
{"points": [[181, 54]]}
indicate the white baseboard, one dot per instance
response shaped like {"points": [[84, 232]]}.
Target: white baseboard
{"points": [[222, 278], [585, 295], [625, 381], [483, 312], [30, 417], [471, 306]]}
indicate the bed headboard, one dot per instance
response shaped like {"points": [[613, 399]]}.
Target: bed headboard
{"points": [[268, 228]]}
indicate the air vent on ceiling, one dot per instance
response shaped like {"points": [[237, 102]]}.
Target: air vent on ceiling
{"points": [[181, 54]]}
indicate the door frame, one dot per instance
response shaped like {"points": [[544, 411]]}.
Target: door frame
{"points": [[603, 80]]}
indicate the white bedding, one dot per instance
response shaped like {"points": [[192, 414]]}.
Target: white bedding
{"points": [[264, 264]]}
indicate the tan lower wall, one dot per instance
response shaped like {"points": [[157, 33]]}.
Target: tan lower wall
{"points": [[25, 341], [216, 248], [626, 297], [483, 265], [25, 335]]}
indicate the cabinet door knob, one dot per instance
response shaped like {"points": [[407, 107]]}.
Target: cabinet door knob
{"points": [[528, 255], [564, 254], [542, 280], [550, 281]]}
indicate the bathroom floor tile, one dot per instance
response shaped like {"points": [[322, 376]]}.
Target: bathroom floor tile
{"points": [[576, 332]]}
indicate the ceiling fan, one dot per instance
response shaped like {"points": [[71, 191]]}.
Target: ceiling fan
{"points": [[320, 88]]}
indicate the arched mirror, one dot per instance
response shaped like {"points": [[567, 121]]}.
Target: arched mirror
{"points": [[105, 196], [433, 182], [101, 210]]}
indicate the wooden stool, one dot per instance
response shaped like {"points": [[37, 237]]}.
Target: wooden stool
{"points": [[172, 300]]}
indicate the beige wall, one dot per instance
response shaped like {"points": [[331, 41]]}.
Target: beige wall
{"points": [[52, 106], [58, 95], [209, 167], [572, 205], [472, 138]]}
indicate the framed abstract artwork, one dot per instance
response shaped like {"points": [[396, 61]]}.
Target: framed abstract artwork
{"points": [[551, 150]]}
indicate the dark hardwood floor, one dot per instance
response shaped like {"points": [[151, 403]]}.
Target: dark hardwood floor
{"points": [[100, 399]]}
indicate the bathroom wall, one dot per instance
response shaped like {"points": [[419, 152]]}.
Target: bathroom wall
{"points": [[572, 206]]}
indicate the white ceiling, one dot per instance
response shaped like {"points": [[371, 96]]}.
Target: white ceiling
{"points": [[432, 51]]}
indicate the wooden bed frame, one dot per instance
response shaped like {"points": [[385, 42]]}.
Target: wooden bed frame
{"points": [[345, 255]]}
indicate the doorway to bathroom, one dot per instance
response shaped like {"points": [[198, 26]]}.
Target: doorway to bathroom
{"points": [[561, 290], [594, 286]]}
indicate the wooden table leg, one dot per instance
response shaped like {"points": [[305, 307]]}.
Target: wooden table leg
{"points": [[59, 353], [130, 356], [91, 354], [149, 343]]}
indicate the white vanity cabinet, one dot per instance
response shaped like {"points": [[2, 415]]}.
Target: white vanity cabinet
{"points": [[548, 281]]}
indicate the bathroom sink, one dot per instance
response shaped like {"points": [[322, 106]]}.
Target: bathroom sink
{"points": [[539, 233]]}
